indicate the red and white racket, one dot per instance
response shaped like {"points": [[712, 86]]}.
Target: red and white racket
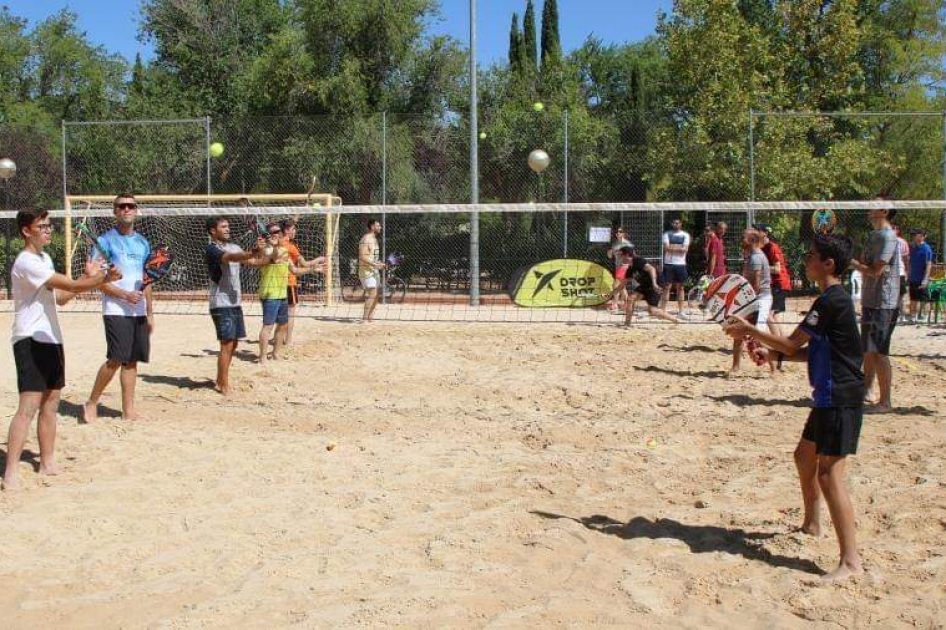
{"points": [[733, 295]]}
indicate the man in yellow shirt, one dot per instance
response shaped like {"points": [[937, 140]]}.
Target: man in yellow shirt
{"points": [[273, 289]]}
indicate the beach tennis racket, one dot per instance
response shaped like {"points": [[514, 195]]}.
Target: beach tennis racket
{"points": [[157, 266], [85, 232], [733, 295]]}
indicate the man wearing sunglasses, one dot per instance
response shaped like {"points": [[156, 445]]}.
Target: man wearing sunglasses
{"points": [[37, 339], [126, 309]]}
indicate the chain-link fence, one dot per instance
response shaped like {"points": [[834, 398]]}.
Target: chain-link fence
{"points": [[396, 159]]}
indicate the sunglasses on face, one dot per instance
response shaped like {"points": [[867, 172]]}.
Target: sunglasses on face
{"points": [[126, 206]]}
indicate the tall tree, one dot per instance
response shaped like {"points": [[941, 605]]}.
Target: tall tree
{"points": [[515, 44], [551, 42], [528, 37]]}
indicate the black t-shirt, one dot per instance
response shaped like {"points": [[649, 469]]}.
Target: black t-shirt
{"points": [[834, 351], [640, 274]]}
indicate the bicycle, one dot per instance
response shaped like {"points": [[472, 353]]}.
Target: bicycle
{"points": [[395, 289]]}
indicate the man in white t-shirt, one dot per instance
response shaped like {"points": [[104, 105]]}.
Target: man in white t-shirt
{"points": [[37, 339], [676, 243]]}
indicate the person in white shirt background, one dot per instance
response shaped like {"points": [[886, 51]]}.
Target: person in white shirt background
{"points": [[676, 243]]}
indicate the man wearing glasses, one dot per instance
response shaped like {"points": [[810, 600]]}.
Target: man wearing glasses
{"points": [[126, 309], [273, 289], [37, 339]]}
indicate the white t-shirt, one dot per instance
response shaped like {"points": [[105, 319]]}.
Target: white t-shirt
{"points": [[676, 238], [33, 301]]}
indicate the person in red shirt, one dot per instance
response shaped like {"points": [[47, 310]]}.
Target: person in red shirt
{"points": [[716, 258], [781, 276], [295, 256]]}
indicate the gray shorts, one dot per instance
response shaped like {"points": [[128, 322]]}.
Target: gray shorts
{"points": [[877, 325]]}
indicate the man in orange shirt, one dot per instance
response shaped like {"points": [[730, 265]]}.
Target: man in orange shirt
{"points": [[295, 256]]}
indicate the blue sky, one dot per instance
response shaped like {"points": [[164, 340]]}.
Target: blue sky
{"points": [[114, 23]]}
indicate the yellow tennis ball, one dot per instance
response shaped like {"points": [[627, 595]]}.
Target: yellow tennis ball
{"points": [[216, 149], [651, 443], [538, 106]]}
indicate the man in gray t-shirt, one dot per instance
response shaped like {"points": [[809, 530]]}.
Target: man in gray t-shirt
{"points": [[880, 299], [759, 274], [223, 267]]}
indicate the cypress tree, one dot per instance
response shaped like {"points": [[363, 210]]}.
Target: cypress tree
{"points": [[137, 85], [551, 42], [528, 37], [515, 44]]}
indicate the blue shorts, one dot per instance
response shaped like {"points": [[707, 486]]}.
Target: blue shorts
{"points": [[275, 312], [229, 323], [675, 274]]}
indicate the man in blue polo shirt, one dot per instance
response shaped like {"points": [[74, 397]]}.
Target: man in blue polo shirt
{"points": [[126, 309]]}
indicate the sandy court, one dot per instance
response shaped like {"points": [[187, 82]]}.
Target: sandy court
{"points": [[484, 475]]}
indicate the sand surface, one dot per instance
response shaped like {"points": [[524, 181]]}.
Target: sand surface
{"points": [[484, 475]]}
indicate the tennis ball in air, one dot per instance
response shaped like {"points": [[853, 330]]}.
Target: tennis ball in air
{"points": [[538, 106], [482, 135], [216, 149]]}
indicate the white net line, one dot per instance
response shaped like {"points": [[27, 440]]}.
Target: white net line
{"points": [[269, 209]]}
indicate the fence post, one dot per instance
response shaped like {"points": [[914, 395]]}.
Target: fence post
{"points": [[942, 218], [207, 152], [565, 195], [751, 164], [66, 204], [384, 200], [474, 168]]}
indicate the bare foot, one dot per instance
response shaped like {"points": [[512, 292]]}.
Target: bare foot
{"points": [[223, 391], [844, 572], [11, 483], [133, 416], [878, 408], [90, 412], [50, 470], [812, 529]]}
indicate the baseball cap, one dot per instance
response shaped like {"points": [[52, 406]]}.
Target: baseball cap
{"points": [[916, 231]]}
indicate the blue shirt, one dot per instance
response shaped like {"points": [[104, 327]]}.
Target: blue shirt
{"points": [[920, 255], [834, 351], [128, 254]]}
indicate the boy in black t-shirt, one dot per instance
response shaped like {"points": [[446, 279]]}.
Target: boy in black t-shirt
{"points": [[834, 359], [645, 275]]}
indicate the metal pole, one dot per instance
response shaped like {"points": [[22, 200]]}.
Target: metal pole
{"points": [[751, 164], [565, 195], [6, 237], [384, 198], [65, 185], [942, 219], [207, 151], [474, 168]]}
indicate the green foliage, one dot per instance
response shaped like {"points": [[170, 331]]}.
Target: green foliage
{"points": [[530, 54], [551, 41]]}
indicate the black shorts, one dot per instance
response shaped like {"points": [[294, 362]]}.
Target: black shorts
{"points": [[127, 339], [675, 274], [918, 294], [651, 295], [228, 321], [292, 295], [778, 301], [39, 366], [835, 430], [877, 326]]}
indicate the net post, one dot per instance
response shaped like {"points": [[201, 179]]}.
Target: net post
{"points": [[329, 260], [942, 216], [67, 207]]}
